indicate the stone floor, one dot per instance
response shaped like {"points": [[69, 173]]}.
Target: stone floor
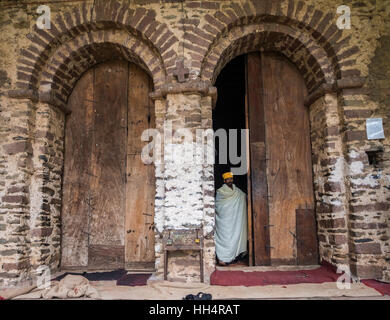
{"points": [[166, 290]]}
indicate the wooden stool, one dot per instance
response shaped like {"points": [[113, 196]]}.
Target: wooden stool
{"points": [[183, 239]]}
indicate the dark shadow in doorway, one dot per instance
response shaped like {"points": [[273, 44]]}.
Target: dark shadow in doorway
{"points": [[229, 113]]}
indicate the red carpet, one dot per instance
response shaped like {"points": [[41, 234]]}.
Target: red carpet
{"points": [[382, 287], [263, 278]]}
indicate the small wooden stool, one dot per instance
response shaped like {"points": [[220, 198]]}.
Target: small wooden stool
{"points": [[183, 239]]}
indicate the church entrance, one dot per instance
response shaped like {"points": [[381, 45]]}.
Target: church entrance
{"points": [[108, 192], [264, 92]]}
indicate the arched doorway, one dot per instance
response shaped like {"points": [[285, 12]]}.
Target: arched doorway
{"points": [[108, 192], [268, 99]]}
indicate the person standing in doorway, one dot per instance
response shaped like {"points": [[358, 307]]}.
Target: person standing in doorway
{"points": [[231, 222]]}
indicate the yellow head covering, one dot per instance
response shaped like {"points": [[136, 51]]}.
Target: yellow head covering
{"points": [[227, 175]]}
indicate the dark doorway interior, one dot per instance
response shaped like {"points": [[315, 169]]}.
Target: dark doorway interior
{"points": [[229, 113]]}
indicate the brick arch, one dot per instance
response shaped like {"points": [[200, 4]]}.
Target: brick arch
{"points": [[72, 59], [309, 58], [82, 23], [326, 41]]}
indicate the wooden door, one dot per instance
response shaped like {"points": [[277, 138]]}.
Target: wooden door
{"points": [[140, 186], [101, 135], [281, 170]]}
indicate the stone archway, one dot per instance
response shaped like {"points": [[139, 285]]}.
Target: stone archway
{"points": [[47, 72], [135, 30], [324, 58], [328, 165]]}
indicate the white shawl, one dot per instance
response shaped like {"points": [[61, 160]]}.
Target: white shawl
{"points": [[231, 223]]}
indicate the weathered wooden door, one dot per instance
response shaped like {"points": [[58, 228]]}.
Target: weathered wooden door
{"points": [[282, 198], [107, 213]]}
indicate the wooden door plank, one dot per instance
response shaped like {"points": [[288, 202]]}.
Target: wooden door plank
{"points": [[140, 186], [307, 243], [109, 156], [288, 149], [249, 180], [258, 160], [138, 214], [138, 109], [77, 170], [106, 257]]}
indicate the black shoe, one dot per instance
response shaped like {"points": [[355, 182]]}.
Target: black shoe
{"points": [[189, 297], [204, 296], [199, 296]]}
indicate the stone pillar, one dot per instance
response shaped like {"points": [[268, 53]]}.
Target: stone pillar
{"points": [[31, 168], [45, 187], [16, 170], [184, 185], [159, 204], [369, 203], [331, 192], [183, 180], [208, 191]]}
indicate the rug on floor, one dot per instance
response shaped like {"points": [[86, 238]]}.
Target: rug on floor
{"points": [[382, 287], [133, 279], [98, 276], [263, 278]]}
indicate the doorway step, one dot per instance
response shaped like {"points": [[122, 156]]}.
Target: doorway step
{"points": [[246, 268], [281, 275]]}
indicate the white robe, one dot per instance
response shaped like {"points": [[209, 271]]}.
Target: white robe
{"points": [[231, 223]]}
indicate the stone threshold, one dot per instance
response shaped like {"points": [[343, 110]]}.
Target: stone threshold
{"points": [[266, 268]]}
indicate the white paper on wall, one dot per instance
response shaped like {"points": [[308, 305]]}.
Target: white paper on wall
{"points": [[374, 128]]}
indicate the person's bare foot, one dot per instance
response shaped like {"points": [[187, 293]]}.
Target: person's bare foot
{"points": [[222, 264]]}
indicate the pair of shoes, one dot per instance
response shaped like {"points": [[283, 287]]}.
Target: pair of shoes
{"points": [[199, 296]]}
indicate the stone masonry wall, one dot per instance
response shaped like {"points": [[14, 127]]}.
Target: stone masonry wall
{"points": [[346, 73], [16, 171], [329, 184], [31, 205], [45, 187]]}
